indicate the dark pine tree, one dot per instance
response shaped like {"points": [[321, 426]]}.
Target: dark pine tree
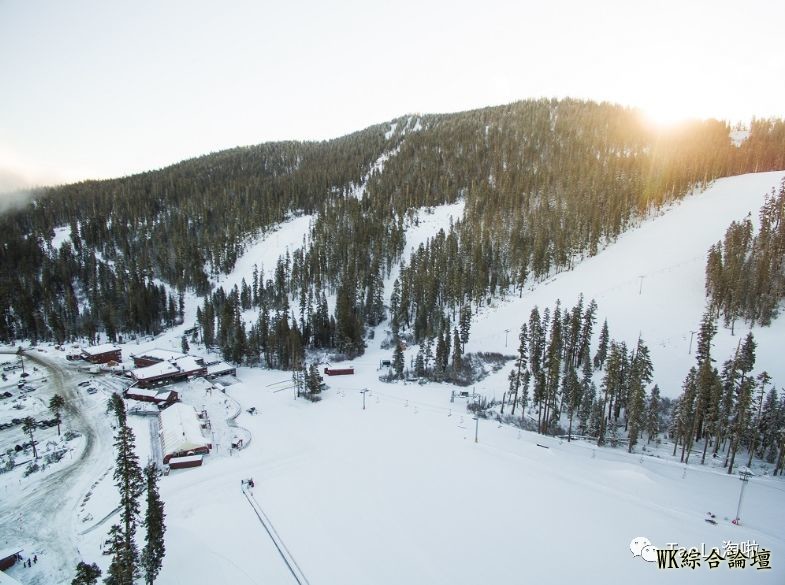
{"points": [[154, 549]]}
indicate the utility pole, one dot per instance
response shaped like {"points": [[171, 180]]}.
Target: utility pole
{"points": [[476, 428], [363, 392], [506, 331], [692, 334], [744, 476], [640, 288]]}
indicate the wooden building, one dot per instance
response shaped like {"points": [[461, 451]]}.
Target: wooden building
{"points": [[160, 398], [156, 356], [168, 372], [339, 371], [181, 433], [102, 354]]}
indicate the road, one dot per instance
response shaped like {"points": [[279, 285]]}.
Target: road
{"points": [[46, 513]]}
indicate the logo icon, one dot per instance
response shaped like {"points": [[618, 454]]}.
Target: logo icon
{"points": [[640, 546]]}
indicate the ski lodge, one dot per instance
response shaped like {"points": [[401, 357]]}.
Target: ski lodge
{"points": [[166, 372], [215, 369], [160, 398], [102, 354], [181, 434], [339, 371], [156, 356]]}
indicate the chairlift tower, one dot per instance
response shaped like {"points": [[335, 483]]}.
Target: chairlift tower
{"points": [[744, 476]]}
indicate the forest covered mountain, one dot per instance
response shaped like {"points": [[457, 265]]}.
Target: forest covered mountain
{"points": [[545, 182]]}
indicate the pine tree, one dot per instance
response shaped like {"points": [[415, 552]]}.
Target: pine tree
{"points": [[465, 324], [653, 413], [118, 572], [519, 371], [56, 404], [86, 574], [588, 404], [128, 479], [154, 549], [573, 390], [29, 425], [641, 372], [398, 361], [755, 427], [602, 350], [419, 363], [457, 355], [395, 308], [744, 363]]}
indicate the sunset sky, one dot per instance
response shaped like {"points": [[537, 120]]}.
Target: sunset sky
{"points": [[100, 89]]}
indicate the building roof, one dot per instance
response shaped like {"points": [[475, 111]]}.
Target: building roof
{"points": [[187, 459], [9, 552], [155, 371], [100, 349], [189, 364], [219, 368], [157, 394], [160, 354], [180, 429]]}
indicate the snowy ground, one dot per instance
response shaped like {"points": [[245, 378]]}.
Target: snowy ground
{"points": [[651, 283], [401, 493]]}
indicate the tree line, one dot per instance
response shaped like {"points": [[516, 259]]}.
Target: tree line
{"points": [[745, 272], [545, 183], [127, 562], [723, 413]]}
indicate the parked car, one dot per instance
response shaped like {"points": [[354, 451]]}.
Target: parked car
{"points": [[85, 383], [92, 390]]}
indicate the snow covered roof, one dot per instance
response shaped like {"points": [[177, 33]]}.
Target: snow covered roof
{"points": [[187, 459], [219, 368], [142, 392], [161, 354], [180, 429], [99, 349], [159, 369], [158, 394], [189, 364]]}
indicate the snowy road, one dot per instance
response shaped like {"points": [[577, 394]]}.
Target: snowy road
{"points": [[44, 513]]}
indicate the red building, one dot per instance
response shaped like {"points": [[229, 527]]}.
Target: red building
{"points": [[339, 371], [102, 354], [167, 372]]}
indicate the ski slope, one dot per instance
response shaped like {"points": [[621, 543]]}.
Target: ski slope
{"points": [[399, 492], [650, 282]]}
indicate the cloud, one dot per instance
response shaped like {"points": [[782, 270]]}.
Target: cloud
{"points": [[16, 190]]}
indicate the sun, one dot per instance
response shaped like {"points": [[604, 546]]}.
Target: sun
{"points": [[666, 112]]}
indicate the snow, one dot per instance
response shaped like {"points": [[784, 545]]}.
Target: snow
{"points": [[265, 251], [739, 135], [399, 492], [160, 354], [359, 191], [180, 430], [219, 368], [389, 134], [650, 282], [190, 363], [62, 235], [99, 349], [7, 580], [426, 224], [159, 369]]}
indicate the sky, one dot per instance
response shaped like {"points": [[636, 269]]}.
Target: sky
{"points": [[97, 89]]}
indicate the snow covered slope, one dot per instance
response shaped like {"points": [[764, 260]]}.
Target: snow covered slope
{"points": [[399, 492], [650, 282]]}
